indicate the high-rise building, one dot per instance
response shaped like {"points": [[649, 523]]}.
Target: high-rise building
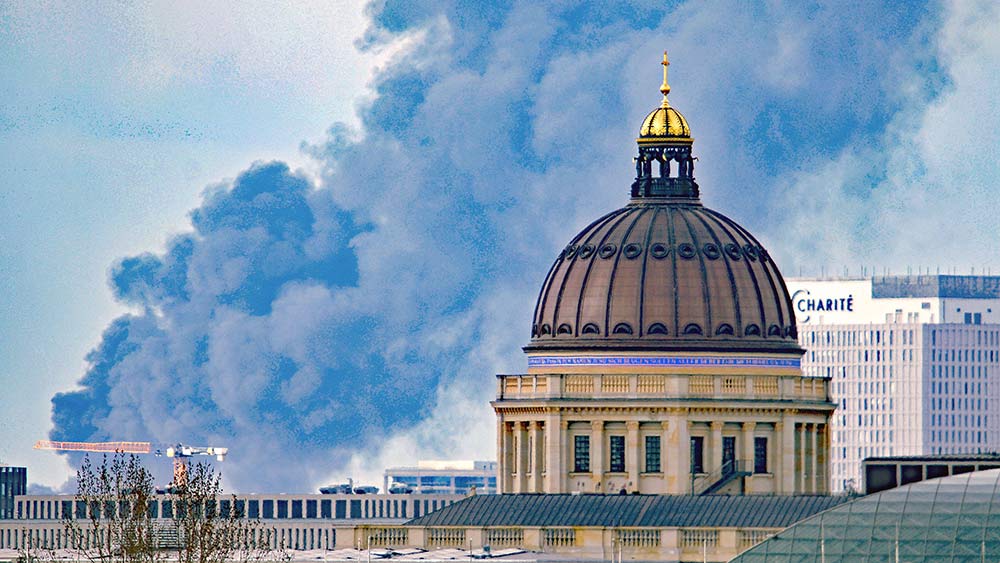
{"points": [[663, 354], [13, 482], [913, 360]]}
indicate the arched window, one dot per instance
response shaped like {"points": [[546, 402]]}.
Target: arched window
{"points": [[622, 328], [657, 328]]}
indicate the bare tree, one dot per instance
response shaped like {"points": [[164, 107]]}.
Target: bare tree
{"points": [[110, 519], [215, 529], [117, 517]]}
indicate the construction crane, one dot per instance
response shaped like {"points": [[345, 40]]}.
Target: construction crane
{"points": [[179, 452]]}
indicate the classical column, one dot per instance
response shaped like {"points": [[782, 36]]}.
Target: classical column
{"points": [[597, 454], [802, 459], [665, 454], [748, 452], [537, 456], [566, 455], [553, 454], [815, 468], [684, 477], [522, 458], [632, 453], [506, 457], [785, 432], [823, 459], [716, 461]]}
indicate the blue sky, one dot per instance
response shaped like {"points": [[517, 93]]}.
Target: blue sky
{"points": [[317, 234]]}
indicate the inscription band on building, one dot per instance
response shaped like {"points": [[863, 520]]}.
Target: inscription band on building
{"points": [[547, 361]]}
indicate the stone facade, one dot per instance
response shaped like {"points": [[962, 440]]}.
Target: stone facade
{"points": [[732, 415]]}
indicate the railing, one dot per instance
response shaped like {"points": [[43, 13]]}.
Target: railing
{"points": [[726, 472], [639, 386], [752, 537], [505, 537], [388, 537], [560, 537], [699, 539], [445, 537], [638, 537]]}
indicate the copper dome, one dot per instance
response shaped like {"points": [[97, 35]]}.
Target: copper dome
{"points": [[664, 272], [664, 275]]}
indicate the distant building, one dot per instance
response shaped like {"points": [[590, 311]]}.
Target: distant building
{"points": [[297, 522], [914, 363], [883, 473], [13, 482], [443, 477]]}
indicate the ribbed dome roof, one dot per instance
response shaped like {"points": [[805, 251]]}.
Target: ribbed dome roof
{"points": [[664, 122], [664, 274]]}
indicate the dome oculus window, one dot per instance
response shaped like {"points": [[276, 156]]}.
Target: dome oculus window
{"points": [[546, 329], [608, 250], [774, 330], [632, 250], [750, 252], [693, 328], [586, 251], [564, 329], [686, 250], [591, 328], [733, 251], [752, 330], [659, 251], [711, 251]]}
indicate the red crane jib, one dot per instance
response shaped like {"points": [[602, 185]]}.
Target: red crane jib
{"points": [[106, 447]]}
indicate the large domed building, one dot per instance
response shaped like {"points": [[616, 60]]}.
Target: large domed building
{"points": [[663, 354]]}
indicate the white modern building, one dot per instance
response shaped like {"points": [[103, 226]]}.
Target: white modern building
{"points": [[448, 477], [913, 362]]}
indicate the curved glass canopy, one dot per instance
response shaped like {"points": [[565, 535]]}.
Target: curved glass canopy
{"points": [[954, 519]]}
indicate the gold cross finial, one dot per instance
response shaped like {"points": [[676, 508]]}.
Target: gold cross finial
{"points": [[665, 88]]}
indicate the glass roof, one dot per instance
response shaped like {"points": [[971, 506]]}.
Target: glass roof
{"points": [[953, 519]]}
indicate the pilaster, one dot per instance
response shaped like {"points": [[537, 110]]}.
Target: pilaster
{"points": [[632, 454], [597, 454]]}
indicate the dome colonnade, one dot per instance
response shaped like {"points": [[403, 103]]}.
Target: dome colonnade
{"points": [[663, 354]]}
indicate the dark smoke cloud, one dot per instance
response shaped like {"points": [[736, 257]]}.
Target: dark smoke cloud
{"points": [[323, 329]]}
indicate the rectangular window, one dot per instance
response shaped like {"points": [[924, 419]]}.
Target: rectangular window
{"points": [[760, 454], [268, 509], [325, 509], [652, 454], [282, 509], [253, 509], [310, 509], [581, 454], [617, 454], [697, 454], [296, 509]]}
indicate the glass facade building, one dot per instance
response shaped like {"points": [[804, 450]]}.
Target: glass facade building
{"points": [[954, 519], [444, 477], [913, 364], [13, 482]]}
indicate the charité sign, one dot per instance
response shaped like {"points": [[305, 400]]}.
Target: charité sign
{"points": [[806, 304]]}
